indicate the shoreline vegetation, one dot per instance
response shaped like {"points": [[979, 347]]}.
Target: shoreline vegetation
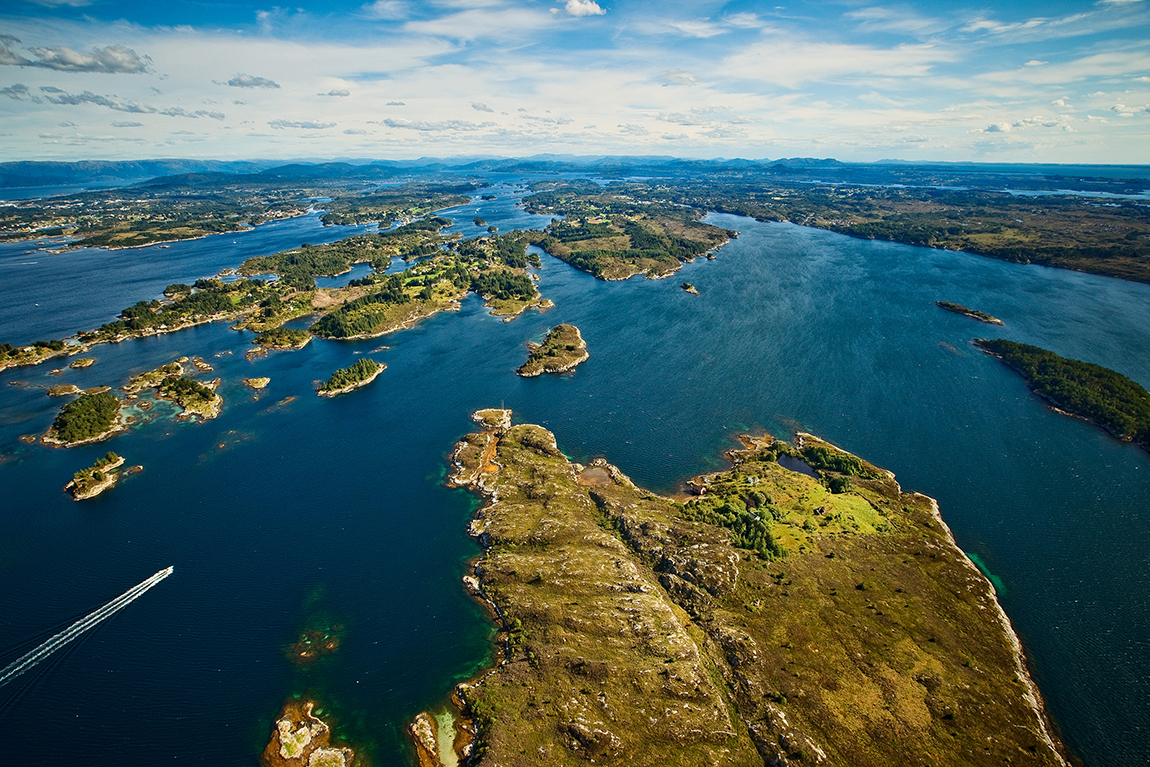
{"points": [[973, 314], [1082, 390], [780, 617], [100, 476], [348, 379], [562, 350]]}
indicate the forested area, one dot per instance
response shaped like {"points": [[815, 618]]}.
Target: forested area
{"points": [[87, 416], [1083, 389]]}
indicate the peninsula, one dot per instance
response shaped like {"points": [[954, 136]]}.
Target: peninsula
{"points": [[562, 349], [973, 314], [1081, 389], [780, 618], [344, 380], [90, 482]]}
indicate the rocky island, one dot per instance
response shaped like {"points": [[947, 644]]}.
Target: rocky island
{"points": [[1080, 389], [781, 618], [302, 739], [689, 288], [283, 338], [350, 378], [562, 349], [973, 314], [90, 482]]}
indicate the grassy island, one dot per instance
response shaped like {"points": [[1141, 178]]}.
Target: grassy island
{"points": [[192, 396], [613, 237], [283, 338], [363, 372], [771, 620], [97, 478], [973, 314], [1081, 389], [88, 418], [494, 267], [562, 349]]}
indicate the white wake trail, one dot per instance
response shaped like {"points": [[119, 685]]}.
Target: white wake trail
{"points": [[91, 620]]}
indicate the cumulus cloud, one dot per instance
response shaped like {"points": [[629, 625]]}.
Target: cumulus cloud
{"points": [[396, 104], [57, 96], [17, 91], [630, 129], [1124, 111], [180, 112], [581, 8], [124, 124], [479, 106], [113, 59], [303, 124], [1030, 122], [425, 126], [355, 131], [251, 81], [66, 124], [334, 92], [677, 77]]}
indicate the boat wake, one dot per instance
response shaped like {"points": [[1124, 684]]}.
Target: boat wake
{"points": [[89, 621]]}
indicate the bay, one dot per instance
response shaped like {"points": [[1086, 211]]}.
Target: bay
{"points": [[283, 512]]}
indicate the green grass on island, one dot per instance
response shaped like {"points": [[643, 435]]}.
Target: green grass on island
{"points": [[613, 237], [351, 377], [562, 349], [771, 620], [94, 479], [1083, 389], [85, 418], [283, 338]]}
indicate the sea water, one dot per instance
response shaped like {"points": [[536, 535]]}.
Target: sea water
{"points": [[291, 511]]}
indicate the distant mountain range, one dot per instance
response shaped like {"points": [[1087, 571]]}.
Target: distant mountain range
{"points": [[198, 172]]}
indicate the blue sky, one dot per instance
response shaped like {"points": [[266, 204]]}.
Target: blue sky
{"points": [[1001, 81]]}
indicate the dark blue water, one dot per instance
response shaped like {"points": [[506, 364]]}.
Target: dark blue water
{"points": [[275, 513]]}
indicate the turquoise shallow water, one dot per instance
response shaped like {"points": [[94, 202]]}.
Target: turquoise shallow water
{"points": [[274, 514]]}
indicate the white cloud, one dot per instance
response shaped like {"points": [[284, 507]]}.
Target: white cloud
{"points": [[251, 81], [630, 129], [112, 59], [336, 92], [1035, 63], [426, 126], [122, 124], [387, 9], [479, 106], [583, 8], [354, 131], [396, 104], [302, 124], [677, 77], [791, 63]]}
